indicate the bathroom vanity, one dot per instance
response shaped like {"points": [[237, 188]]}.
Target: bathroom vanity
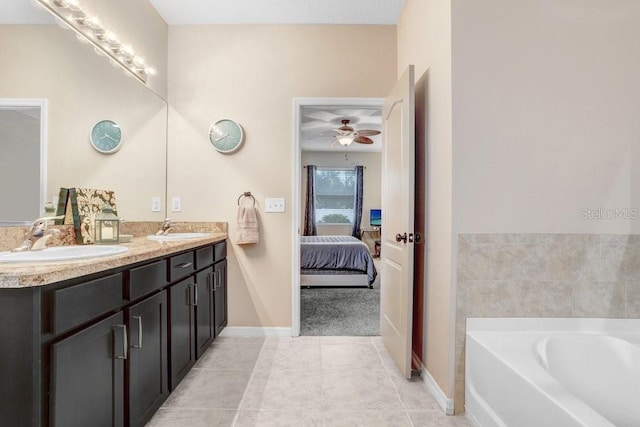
{"points": [[105, 341]]}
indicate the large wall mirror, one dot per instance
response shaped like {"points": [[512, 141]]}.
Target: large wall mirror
{"points": [[45, 62]]}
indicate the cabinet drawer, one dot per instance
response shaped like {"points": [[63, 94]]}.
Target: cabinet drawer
{"points": [[146, 279], [77, 304], [220, 250], [181, 266], [204, 257]]}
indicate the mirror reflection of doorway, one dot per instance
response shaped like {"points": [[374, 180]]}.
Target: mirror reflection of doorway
{"points": [[22, 148], [336, 302]]}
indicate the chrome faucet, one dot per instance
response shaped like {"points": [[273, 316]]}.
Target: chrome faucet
{"points": [[38, 235], [164, 228]]}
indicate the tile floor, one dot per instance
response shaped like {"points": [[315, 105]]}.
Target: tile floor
{"points": [[304, 381]]}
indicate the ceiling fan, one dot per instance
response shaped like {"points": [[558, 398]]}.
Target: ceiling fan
{"points": [[347, 134]]}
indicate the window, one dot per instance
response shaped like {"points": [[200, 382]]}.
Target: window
{"points": [[335, 195]]}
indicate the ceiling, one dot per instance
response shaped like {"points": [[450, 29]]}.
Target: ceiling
{"points": [[186, 12], [190, 12], [317, 124]]}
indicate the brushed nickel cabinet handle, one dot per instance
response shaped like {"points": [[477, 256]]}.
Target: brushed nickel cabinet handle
{"points": [[139, 345], [211, 281], [124, 342], [184, 265]]}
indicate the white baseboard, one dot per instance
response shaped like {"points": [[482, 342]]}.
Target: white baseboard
{"points": [[254, 331], [443, 401]]}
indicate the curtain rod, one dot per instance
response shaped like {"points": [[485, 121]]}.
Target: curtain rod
{"points": [[338, 167]]}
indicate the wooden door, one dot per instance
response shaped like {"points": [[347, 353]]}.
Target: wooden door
{"points": [[396, 289]]}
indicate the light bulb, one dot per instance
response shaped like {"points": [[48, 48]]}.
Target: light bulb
{"points": [[138, 61], [111, 38], [127, 51], [345, 140], [94, 23], [73, 5]]}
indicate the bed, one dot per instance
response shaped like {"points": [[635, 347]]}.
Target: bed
{"points": [[335, 261]]}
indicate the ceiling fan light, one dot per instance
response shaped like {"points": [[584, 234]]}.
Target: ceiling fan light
{"points": [[345, 140]]}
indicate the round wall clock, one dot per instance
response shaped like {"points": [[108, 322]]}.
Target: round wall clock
{"points": [[226, 135], [106, 136]]}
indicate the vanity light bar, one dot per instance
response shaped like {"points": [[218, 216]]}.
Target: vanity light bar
{"points": [[105, 42]]}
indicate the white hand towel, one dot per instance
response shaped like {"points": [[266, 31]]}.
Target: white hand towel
{"points": [[247, 220]]}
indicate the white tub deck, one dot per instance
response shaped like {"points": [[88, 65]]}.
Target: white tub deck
{"points": [[553, 372]]}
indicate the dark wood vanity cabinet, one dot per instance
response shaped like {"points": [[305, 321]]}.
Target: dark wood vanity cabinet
{"points": [[182, 329], [211, 307], [147, 382], [87, 376], [205, 310], [220, 296], [107, 349]]}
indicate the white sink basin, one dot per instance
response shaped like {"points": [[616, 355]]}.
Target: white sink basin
{"points": [[63, 253], [178, 236]]}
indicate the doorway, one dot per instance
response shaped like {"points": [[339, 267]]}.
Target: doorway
{"points": [[23, 126], [338, 156]]}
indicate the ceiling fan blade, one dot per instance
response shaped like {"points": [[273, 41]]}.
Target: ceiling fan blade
{"points": [[335, 141], [363, 140], [368, 132]]}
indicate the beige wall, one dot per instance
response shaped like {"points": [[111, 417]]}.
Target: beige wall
{"points": [[424, 39], [251, 73], [546, 102], [44, 61], [371, 186]]}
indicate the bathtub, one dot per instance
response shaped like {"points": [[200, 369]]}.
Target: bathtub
{"points": [[534, 372]]}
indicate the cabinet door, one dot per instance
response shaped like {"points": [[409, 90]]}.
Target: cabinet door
{"points": [[182, 337], [204, 310], [220, 295], [147, 366], [87, 376]]}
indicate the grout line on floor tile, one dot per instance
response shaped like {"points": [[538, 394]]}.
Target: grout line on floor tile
{"points": [[246, 389], [393, 384]]}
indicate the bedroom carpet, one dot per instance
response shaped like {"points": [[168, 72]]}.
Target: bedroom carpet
{"points": [[340, 311]]}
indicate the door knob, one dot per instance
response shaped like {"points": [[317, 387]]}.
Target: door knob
{"points": [[401, 237]]}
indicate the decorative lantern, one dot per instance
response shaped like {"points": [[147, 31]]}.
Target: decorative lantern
{"points": [[107, 227]]}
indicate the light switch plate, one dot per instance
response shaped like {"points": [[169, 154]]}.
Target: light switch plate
{"points": [[274, 204], [156, 204], [176, 204]]}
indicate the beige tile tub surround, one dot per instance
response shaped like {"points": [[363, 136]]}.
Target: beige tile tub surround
{"points": [[544, 275]]}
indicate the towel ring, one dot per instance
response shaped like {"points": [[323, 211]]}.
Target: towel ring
{"points": [[247, 194]]}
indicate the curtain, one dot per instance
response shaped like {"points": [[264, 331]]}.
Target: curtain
{"points": [[310, 205], [357, 208]]}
